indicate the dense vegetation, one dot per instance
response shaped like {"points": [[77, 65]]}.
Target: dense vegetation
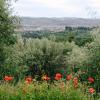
{"points": [[49, 66], [6, 28], [77, 34]]}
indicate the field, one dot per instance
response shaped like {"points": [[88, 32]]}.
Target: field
{"points": [[52, 68], [59, 90]]}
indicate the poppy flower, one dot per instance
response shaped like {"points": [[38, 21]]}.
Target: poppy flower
{"points": [[58, 76], [8, 78], [68, 77], [45, 77], [75, 81], [91, 90], [28, 80], [91, 80]]}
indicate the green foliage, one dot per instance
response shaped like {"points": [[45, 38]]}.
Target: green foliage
{"points": [[47, 55], [6, 23], [78, 56], [6, 28], [94, 61], [90, 67], [41, 91], [7, 33], [80, 35]]}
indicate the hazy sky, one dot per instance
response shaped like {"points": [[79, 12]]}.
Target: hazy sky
{"points": [[58, 8]]}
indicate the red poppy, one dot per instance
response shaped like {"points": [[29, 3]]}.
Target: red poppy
{"points": [[46, 78], [91, 90], [8, 78], [91, 80], [75, 81], [28, 80], [58, 76], [68, 77]]}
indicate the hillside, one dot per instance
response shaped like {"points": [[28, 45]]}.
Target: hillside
{"points": [[55, 24]]}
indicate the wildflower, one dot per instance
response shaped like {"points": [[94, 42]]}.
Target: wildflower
{"points": [[28, 80], [91, 90], [8, 78], [75, 81], [45, 77], [58, 76], [91, 80], [68, 77]]}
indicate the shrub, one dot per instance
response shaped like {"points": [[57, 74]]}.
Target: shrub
{"points": [[39, 55]]}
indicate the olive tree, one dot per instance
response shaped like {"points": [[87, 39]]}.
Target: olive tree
{"points": [[6, 30]]}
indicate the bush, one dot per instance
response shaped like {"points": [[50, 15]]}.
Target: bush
{"points": [[6, 28], [39, 55]]}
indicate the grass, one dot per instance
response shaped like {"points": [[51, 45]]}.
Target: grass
{"points": [[42, 91]]}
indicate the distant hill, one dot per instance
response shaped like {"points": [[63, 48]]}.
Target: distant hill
{"points": [[55, 24]]}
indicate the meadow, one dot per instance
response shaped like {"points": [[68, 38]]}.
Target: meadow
{"points": [[59, 90], [44, 65], [37, 69]]}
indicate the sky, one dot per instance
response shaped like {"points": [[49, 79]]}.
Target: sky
{"points": [[57, 8]]}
